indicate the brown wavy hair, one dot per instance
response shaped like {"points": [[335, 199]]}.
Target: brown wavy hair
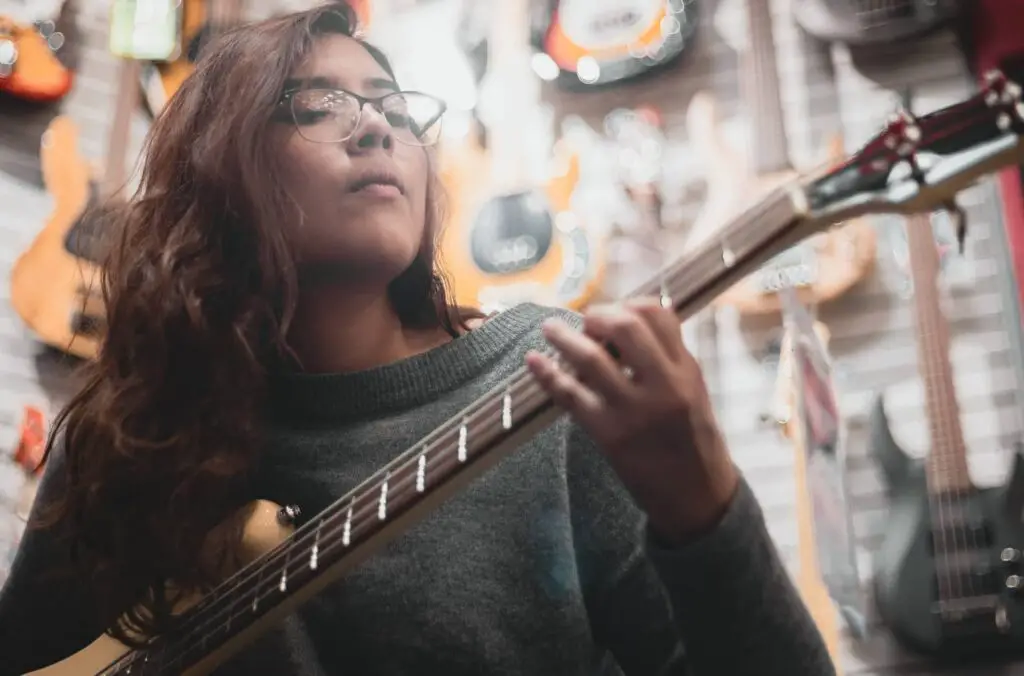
{"points": [[200, 287]]}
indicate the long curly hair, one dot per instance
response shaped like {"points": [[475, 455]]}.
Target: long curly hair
{"points": [[200, 287]]}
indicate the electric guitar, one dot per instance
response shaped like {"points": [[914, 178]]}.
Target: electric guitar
{"points": [[201, 20], [948, 573], [964, 142], [506, 241], [55, 283], [29, 42], [582, 43], [792, 415], [870, 22], [820, 270]]}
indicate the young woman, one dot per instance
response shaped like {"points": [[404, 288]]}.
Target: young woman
{"points": [[278, 329]]}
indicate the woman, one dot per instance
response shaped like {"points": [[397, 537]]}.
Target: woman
{"points": [[278, 329]]}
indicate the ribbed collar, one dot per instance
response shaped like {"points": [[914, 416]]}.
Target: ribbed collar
{"points": [[408, 383]]}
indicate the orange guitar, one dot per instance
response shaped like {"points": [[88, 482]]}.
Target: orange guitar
{"points": [[29, 67], [506, 241], [55, 283]]}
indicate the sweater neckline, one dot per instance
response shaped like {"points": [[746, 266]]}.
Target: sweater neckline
{"points": [[404, 384]]}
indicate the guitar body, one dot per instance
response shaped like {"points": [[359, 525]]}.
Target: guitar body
{"points": [[856, 22], [262, 531], [495, 261], [161, 80], [52, 290], [907, 564], [621, 40], [34, 72], [827, 267]]}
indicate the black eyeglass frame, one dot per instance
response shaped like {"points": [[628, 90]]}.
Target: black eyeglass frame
{"points": [[377, 102]]}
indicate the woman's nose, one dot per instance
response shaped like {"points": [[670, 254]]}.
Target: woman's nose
{"points": [[373, 131]]}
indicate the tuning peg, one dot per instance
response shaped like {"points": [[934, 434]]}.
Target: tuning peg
{"points": [[958, 217], [1002, 92], [903, 133]]}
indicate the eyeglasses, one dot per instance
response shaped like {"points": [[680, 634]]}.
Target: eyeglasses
{"points": [[333, 115]]}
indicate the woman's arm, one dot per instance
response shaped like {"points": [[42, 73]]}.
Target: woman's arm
{"points": [[725, 598], [45, 611]]}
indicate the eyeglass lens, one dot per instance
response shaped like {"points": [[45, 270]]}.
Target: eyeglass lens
{"points": [[326, 116]]}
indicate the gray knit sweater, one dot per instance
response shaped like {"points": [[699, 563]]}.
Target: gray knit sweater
{"points": [[542, 567]]}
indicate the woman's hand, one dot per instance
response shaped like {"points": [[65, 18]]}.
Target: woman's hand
{"points": [[652, 418]]}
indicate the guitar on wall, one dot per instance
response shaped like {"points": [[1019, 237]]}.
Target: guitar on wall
{"points": [[29, 43], [964, 142], [55, 282], [949, 572], [820, 270], [580, 43], [507, 242], [792, 411], [200, 21], [872, 22]]}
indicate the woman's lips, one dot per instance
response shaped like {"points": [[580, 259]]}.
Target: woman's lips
{"points": [[383, 190]]}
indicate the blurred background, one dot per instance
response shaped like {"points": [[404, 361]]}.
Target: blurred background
{"points": [[621, 134]]}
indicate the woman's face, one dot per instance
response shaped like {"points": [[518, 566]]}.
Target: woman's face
{"points": [[363, 199]]}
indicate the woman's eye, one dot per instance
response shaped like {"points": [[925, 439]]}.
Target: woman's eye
{"points": [[310, 116], [398, 119]]}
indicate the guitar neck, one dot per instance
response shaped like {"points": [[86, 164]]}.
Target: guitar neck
{"points": [[760, 85], [947, 458]]}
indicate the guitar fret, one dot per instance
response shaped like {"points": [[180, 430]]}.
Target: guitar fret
{"points": [[314, 554], [463, 434], [382, 501], [506, 410], [421, 471], [346, 534], [282, 583]]}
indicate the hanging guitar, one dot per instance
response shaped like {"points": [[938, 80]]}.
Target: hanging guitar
{"points": [[29, 43], [583, 43], [506, 241], [872, 22], [820, 270], [949, 574], [55, 282], [962, 143], [795, 415]]}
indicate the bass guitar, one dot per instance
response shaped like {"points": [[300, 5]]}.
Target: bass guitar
{"points": [[507, 242], [580, 43], [872, 22], [963, 143], [29, 42], [948, 574], [819, 270], [55, 282]]}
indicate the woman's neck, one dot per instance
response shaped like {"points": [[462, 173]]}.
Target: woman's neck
{"points": [[338, 331]]}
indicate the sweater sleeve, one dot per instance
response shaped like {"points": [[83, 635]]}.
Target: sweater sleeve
{"points": [[723, 604], [45, 612]]}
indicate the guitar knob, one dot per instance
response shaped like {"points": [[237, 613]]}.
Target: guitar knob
{"points": [[1013, 582], [1010, 555], [288, 515]]}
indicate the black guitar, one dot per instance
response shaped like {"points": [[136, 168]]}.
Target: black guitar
{"points": [[950, 572], [864, 22]]}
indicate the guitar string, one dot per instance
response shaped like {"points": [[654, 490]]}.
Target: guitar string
{"points": [[948, 424], [937, 468], [741, 224], [686, 270]]}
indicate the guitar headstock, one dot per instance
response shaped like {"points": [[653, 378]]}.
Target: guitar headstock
{"points": [[919, 164]]}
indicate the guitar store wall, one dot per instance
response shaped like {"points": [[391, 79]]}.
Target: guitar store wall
{"points": [[872, 332], [824, 90]]}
